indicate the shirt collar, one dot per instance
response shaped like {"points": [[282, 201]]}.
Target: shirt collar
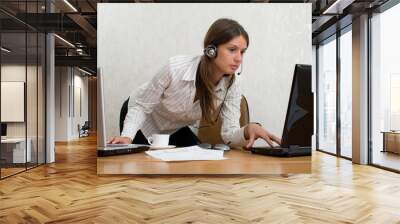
{"points": [[222, 84], [190, 74]]}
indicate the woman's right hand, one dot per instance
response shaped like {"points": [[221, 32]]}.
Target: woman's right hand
{"points": [[119, 140]]}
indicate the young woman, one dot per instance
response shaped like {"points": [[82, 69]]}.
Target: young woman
{"points": [[189, 88]]}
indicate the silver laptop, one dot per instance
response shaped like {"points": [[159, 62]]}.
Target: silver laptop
{"points": [[104, 149]]}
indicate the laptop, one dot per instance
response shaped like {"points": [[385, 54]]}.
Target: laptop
{"points": [[299, 121], [104, 149]]}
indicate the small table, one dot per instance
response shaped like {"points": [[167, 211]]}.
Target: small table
{"points": [[391, 141], [237, 162]]}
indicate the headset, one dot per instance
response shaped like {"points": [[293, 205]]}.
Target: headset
{"points": [[211, 52]]}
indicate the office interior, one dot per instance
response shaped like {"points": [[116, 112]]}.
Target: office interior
{"points": [[48, 98]]}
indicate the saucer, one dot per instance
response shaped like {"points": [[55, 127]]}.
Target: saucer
{"points": [[162, 147]]}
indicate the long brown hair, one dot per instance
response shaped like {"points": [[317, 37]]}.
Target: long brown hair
{"points": [[220, 32]]}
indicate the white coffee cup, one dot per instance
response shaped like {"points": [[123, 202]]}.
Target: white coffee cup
{"points": [[158, 140]]}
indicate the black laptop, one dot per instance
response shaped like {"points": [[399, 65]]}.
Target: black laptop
{"points": [[299, 122]]}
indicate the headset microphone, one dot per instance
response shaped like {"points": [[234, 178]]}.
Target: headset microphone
{"points": [[241, 69]]}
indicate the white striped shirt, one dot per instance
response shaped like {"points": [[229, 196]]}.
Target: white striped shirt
{"points": [[165, 104]]}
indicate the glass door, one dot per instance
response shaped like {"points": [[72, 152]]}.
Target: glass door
{"points": [[385, 89], [346, 92], [327, 96]]}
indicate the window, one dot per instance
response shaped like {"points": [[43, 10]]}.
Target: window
{"points": [[346, 93], [22, 65], [385, 88], [327, 96]]}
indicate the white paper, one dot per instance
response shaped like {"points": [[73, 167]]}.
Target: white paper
{"points": [[186, 154]]}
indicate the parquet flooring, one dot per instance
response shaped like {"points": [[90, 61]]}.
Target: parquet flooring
{"points": [[10, 171], [387, 159], [69, 191]]}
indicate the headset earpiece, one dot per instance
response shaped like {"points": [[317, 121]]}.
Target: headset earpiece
{"points": [[211, 51]]}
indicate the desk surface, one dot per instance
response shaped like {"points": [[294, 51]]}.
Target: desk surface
{"points": [[237, 162], [390, 132], [13, 140]]}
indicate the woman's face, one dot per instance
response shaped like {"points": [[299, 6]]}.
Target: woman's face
{"points": [[230, 55]]}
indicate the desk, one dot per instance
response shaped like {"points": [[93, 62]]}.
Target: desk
{"points": [[16, 148], [237, 162], [391, 141]]}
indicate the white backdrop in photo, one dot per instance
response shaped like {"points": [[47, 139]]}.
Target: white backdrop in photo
{"points": [[135, 40]]}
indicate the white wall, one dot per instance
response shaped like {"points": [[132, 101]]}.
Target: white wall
{"points": [[80, 83], [67, 81], [61, 103], [135, 40]]}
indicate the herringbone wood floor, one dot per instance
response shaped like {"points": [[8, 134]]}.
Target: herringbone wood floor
{"points": [[70, 192]]}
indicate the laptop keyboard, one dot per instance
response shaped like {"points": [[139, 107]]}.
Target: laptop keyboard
{"points": [[117, 145], [282, 152]]}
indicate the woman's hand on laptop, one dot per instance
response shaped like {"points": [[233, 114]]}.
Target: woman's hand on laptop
{"points": [[253, 131], [120, 140]]}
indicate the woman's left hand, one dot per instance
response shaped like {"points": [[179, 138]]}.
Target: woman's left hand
{"points": [[254, 131]]}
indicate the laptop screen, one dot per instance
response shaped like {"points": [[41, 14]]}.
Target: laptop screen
{"points": [[299, 122], [101, 130]]}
